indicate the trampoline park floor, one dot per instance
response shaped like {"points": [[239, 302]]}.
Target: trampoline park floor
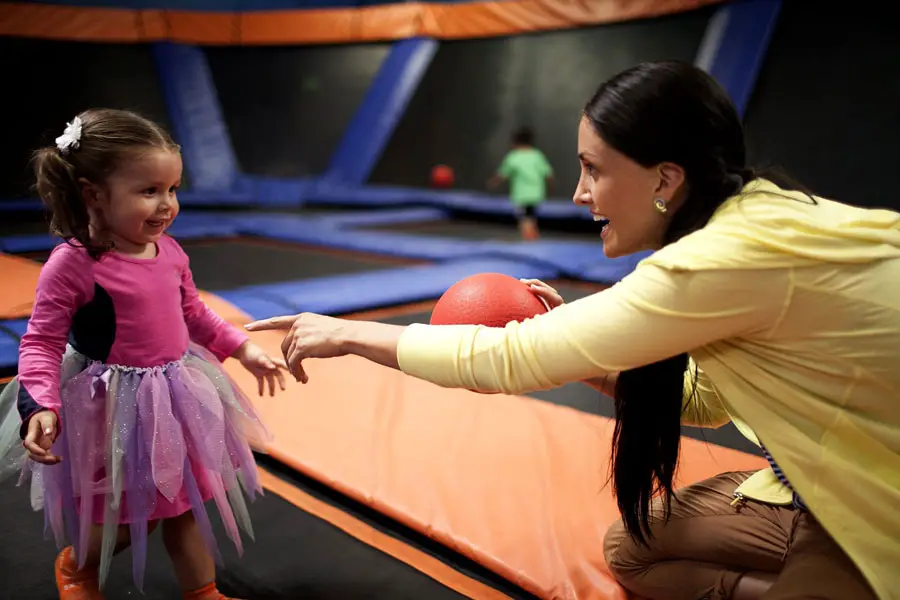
{"points": [[311, 540]]}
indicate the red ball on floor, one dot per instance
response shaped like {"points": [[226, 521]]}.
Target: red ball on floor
{"points": [[442, 176]]}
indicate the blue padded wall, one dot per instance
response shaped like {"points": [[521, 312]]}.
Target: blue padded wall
{"points": [[735, 46], [381, 110], [196, 117]]}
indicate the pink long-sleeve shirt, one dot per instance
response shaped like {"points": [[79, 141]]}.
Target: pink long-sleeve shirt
{"points": [[121, 310]]}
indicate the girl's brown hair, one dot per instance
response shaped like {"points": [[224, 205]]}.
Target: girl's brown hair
{"points": [[108, 137]]}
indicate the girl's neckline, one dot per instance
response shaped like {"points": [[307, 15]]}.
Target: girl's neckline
{"points": [[137, 259]]}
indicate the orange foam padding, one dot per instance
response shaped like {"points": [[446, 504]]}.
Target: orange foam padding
{"points": [[426, 563], [19, 276], [386, 22], [516, 484]]}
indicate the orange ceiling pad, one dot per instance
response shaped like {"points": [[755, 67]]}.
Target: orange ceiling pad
{"points": [[517, 484], [390, 21]]}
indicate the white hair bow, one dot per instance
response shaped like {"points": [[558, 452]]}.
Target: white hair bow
{"points": [[70, 137]]}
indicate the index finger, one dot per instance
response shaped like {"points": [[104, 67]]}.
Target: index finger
{"points": [[280, 364], [283, 322]]}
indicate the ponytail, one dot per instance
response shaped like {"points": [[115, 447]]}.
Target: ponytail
{"points": [[59, 191], [646, 439]]}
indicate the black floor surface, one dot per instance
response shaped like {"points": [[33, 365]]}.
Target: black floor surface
{"points": [[23, 223], [229, 264]]}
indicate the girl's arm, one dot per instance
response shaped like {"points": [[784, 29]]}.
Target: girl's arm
{"points": [[205, 327], [64, 285]]}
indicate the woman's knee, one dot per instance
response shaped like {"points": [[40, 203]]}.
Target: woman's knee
{"points": [[624, 557]]}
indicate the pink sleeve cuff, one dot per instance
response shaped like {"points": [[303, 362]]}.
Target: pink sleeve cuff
{"points": [[23, 429], [226, 343]]}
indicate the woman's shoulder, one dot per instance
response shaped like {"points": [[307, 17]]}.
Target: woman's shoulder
{"points": [[766, 227]]}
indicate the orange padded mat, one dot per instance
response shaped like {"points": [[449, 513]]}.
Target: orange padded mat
{"points": [[19, 279], [514, 483]]}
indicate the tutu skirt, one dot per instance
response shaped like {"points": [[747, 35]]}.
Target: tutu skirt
{"points": [[140, 444]]}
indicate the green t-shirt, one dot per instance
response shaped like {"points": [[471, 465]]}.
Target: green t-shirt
{"points": [[527, 170]]}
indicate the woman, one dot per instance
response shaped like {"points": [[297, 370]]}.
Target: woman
{"points": [[772, 306]]}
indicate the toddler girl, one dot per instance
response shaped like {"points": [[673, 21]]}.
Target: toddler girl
{"points": [[125, 410]]}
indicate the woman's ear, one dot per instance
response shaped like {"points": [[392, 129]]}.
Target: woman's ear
{"points": [[670, 184], [670, 179]]}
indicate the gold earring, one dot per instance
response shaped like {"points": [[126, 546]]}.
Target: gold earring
{"points": [[660, 205]]}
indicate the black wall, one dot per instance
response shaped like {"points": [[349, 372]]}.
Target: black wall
{"points": [[49, 82], [287, 107], [826, 107], [477, 92]]}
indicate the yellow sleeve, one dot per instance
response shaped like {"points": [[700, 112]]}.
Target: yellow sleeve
{"points": [[650, 315], [702, 405]]}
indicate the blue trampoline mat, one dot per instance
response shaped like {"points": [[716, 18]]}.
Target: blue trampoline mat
{"points": [[19, 244], [453, 259], [251, 192], [460, 201], [10, 334], [574, 259], [343, 294], [338, 294]]}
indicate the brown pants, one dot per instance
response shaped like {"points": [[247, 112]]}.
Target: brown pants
{"points": [[708, 545]]}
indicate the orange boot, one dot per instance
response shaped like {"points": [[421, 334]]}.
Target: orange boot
{"points": [[72, 583], [207, 592]]}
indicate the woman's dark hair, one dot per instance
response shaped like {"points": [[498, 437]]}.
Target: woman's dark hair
{"points": [[656, 112], [107, 137]]}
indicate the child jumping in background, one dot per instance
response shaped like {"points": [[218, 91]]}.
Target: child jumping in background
{"points": [[528, 172], [126, 413]]}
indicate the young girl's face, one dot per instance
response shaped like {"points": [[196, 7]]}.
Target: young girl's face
{"points": [[139, 200]]}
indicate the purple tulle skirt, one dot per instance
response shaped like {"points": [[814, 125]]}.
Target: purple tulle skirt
{"points": [[141, 444]]}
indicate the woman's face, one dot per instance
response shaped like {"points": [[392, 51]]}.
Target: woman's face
{"points": [[623, 193]]}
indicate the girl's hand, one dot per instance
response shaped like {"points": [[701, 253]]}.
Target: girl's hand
{"points": [[546, 293], [263, 367], [42, 431]]}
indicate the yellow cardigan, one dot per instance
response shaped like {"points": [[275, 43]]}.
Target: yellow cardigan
{"points": [[792, 310], [703, 408]]}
